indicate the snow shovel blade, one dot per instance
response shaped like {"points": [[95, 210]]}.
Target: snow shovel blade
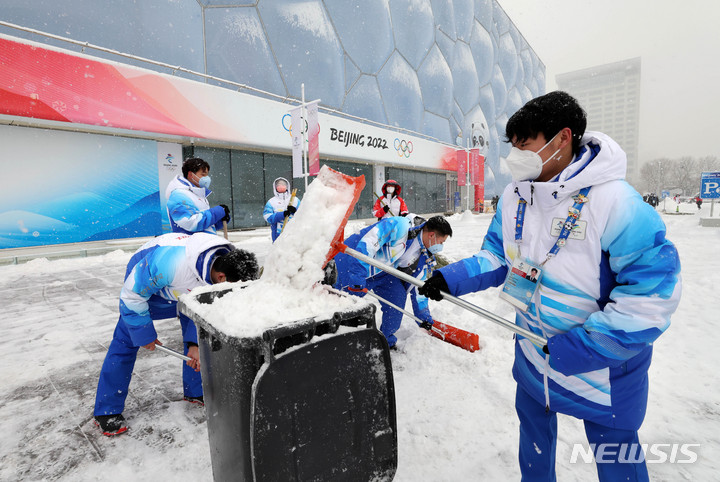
{"points": [[466, 340], [358, 184], [455, 336]]}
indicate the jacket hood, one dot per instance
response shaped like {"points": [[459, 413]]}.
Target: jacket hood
{"points": [[600, 160], [203, 247], [281, 195], [390, 182]]}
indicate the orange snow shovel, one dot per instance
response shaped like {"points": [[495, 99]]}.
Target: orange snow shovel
{"points": [[358, 185], [455, 336]]}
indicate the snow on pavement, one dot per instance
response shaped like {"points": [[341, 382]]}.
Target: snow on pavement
{"points": [[455, 412]]}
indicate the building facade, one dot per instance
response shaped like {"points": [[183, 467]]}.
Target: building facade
{"points": [[610, 94], [434, 73]]}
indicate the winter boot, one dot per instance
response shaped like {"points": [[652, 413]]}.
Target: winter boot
{"points": [[199, 400], [111, 424]]}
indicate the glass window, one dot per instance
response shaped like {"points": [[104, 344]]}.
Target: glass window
{"points": [[248, 181]]}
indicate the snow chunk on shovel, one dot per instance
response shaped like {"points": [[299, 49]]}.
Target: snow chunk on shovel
{"points": [[298, 256]]}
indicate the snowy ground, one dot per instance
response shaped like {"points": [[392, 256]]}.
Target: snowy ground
{"points": [[455, 410]]}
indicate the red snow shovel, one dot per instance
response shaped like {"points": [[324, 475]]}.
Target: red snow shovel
{"points": [[359, 185], [467, 340], [455, 336], [536, 339]]}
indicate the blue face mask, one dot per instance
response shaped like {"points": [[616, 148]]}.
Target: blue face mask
{"points": [[435, 248], [204, 182]]}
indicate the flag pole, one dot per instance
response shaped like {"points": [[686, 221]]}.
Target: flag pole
{"points": [[304, 134], [467, 175]]}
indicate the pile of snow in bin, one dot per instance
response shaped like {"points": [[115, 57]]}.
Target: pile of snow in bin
{"points": [[289, 289]]}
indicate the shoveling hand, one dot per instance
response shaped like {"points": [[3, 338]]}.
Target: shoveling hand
{"points": [[192, 361], [434, 287], [385, 206]]}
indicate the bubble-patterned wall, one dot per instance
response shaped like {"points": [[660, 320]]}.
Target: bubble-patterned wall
{"points": [[439, 67]]}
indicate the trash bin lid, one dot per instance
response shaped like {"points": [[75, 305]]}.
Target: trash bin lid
{"points": [[326, 411]]}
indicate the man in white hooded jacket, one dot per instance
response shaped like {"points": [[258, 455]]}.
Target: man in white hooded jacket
{"points": [[608, 281]]}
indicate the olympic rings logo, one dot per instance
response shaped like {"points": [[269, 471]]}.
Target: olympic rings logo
{"points": [[404, 148], [287, 123]]}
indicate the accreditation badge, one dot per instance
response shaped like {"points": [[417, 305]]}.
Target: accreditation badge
{"points": [[521, 282]]}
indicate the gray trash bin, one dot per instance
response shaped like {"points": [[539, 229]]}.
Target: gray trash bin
{"points": [[292, 406]]}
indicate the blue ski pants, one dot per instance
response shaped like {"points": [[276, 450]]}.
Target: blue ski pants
{"points": [[538, 437], [382, 284], [117, 368]]}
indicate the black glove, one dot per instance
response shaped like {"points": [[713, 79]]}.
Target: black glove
{"points": [[546, 350], [290, 211], [226, 218], [357, 290], [330, 273], [386, 208], [425, 325], [404, 214], [434, 286]]}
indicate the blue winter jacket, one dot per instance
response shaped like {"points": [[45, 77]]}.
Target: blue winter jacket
{"points": [[167, 267], [395, 242], [602, 301], [189, 210]]}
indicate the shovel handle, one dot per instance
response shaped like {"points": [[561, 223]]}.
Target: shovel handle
{"points": [[403, 311], [292, 198], [172, 352], [536, 339]]}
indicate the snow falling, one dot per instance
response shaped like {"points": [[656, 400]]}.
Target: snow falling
{"points": [[455, 413]]}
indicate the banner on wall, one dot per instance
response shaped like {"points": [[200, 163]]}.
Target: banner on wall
{"points": [[111, 192], [39, 82], [462, 162], [169, 162], [313, 134]]}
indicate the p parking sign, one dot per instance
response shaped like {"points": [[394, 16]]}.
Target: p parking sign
{"points": [[710, 185]]}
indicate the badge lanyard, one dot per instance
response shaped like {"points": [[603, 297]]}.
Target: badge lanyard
{"points": [[573, 215], [523, 277]]}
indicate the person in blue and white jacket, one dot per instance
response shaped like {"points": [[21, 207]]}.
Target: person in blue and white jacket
{"points": [[603, 297], [280, 207], [157, 274], [396, 242], [187, 203]]}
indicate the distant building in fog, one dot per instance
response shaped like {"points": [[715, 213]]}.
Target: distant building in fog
{"points": [[610, 94]]}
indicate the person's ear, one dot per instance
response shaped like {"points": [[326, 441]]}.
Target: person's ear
{"points": [[565, 137]]}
